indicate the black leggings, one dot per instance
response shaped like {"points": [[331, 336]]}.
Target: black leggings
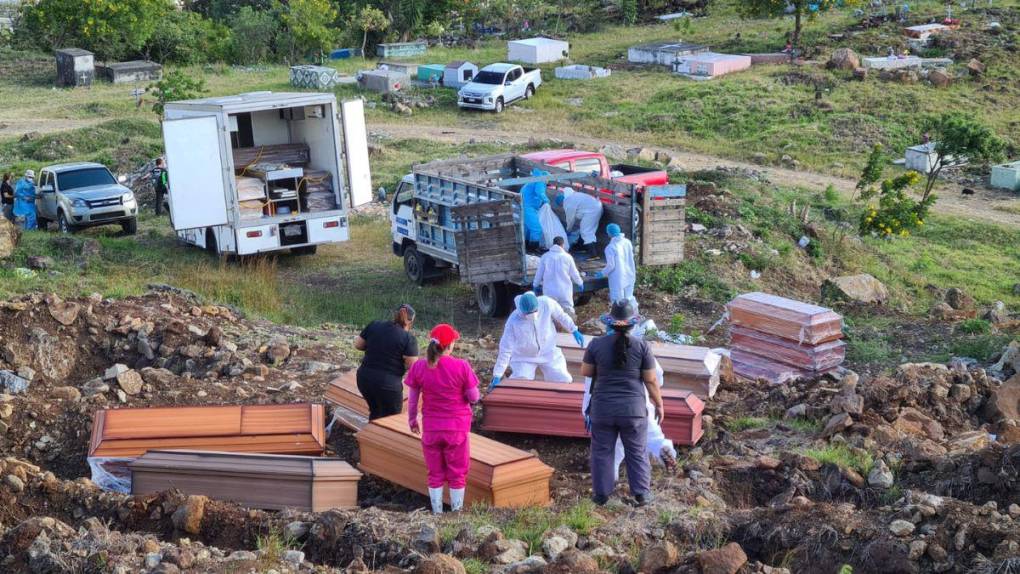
{"points": [[383, 392]]}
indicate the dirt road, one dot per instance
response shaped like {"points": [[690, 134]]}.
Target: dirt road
{"points": [[985, 205]]}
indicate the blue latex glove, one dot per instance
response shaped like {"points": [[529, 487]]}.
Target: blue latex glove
{"points": [[578, 288], [587, 423], [579, 338], [537, 290], [495, 382], [598, 275]]}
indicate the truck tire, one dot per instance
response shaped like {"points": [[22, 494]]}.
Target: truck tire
{"points": [[210, 242], [130, 226], [417, 266], [493, 299], [63, 225], [529, 91], [305, 250], [498, 108]]}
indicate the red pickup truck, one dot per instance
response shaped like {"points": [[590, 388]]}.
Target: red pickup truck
{"points": [[591, 161]]}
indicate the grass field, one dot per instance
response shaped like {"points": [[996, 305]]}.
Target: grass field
{"points": [[769, 110]]}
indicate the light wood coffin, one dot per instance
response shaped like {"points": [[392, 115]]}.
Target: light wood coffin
{"points": [[349, 406], [274, 482], [554, 409], [500, 475], [820, 357], [785, 318], [685, 367], [270, 429]]}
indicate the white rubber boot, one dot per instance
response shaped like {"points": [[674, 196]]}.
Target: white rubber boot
{"points": [[436, 496], [456, 499]]}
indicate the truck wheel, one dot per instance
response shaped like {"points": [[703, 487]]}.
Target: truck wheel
{"points": [[493, 299], [499, 106], [129, 227], [63, 225], [210, 242], [306, 250], [416, 265], [529, 91]]}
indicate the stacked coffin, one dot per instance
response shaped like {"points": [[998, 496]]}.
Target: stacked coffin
{"points": [[779, 339], [554, 409], [685, 367], [500, 475], [121, 435], [349, 406], [273, 482]]}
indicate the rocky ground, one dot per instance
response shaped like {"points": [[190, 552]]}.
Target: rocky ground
{"points": [[914, 471]]}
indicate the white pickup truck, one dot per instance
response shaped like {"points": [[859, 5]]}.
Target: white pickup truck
{"points": [[497, 85]]}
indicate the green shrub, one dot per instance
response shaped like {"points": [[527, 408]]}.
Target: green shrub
{"points": [[975, 326], [253, 35], [843, 457], [185, 37], [112, 30], [676, 278]]}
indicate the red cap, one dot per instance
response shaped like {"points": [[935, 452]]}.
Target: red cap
{"points": [[444, 334]]}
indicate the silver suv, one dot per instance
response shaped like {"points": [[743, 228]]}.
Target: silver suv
{"points": [[77, 195]]}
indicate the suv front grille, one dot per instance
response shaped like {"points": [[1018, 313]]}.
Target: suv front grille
{"points": [[107, 202]]}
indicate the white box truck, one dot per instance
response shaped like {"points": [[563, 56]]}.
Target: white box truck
{"points": [[262, 171]]}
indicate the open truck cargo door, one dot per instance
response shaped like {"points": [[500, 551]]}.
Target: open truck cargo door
{"points": [[487, 235], [359, 176], [198, 196], [663, 224]]}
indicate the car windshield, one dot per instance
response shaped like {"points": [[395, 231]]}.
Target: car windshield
{"points": [[87, 177], [494, 78]]}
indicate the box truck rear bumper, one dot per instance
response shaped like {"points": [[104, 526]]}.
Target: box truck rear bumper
{"points": [[275, 237]]}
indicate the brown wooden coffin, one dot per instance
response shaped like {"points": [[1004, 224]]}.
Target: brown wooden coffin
{"points": [[535, 407], [821, 357], [349, 406], [754, 367], [270, 429], [500, 475], [554, 409], [785, 318], [685, 367], [274, 482], [682, 423]]}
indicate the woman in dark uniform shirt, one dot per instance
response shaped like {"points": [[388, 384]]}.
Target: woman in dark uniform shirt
{"points": [[390, 350]]}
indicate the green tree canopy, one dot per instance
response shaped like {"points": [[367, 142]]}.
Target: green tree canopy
{"points": [[958, 137], [370, 19], [110, 28], [798, 8], [309, 25]]}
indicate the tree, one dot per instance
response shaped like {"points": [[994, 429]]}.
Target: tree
{"points": [[175, 85], [799, 8], [370, 19], [254, 34], [309, 24], [186, 37], [629, 10], [957, 137], [110, 28], [896, 214]]}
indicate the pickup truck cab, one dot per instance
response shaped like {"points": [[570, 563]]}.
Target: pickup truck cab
{"points": [[77, 195], [497, 85], [595, 162]]}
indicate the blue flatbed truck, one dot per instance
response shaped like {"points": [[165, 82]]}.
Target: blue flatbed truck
{"points": [[465, 214]]}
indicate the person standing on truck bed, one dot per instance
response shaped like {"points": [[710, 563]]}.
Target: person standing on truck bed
{"points": [[534, 197], [582, 211], [556, 276], [390, 350], [620, 268], [622, 369], [529, 341]]}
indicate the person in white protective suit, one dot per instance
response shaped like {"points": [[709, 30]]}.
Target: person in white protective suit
{"points": [[660, 448], [529, 341], [582, 211], [556, 276], [620, 268]]}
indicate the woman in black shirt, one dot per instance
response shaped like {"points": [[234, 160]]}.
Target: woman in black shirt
{"points": [[390, 350], [622, 369]]}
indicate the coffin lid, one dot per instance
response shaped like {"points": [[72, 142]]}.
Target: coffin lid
{"points": [[484, 450], [784, 309], [217, 462]]}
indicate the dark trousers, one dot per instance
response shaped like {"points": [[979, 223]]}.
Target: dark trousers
{"points": [[382, 391], [160, 196], [633, 432]]}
